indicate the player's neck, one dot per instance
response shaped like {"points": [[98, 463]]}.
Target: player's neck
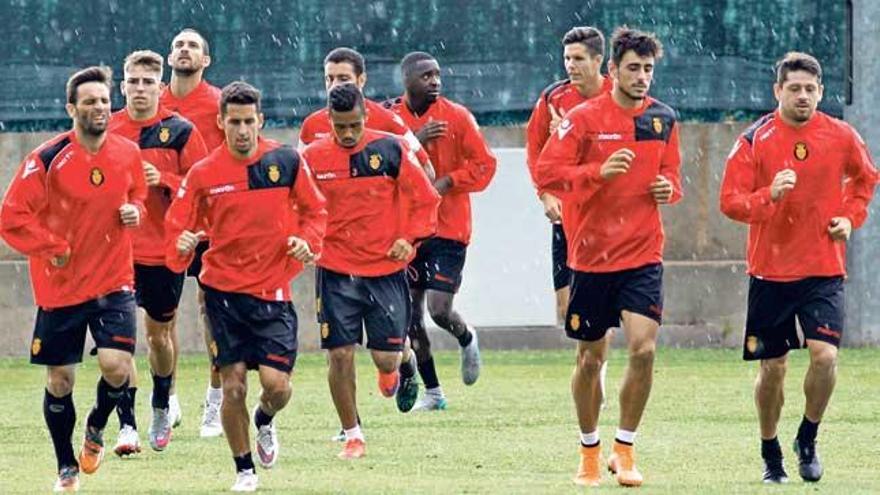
{"points": [[590, 87], [243, 156], [142, 116], [623, 100], [797, 124], [181, 86], [418, 106], [90, 142]]}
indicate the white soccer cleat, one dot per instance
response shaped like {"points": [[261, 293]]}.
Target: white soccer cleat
{"points": [[470, 360], [266, 444], [128, 442], [245, 481], [174, 412], [211, 425], [430, 402]]}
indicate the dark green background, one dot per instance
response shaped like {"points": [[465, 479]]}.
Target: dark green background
{"points": [[497, 55]]}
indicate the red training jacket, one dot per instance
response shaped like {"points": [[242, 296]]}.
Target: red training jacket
{"points": [[200, 107], [64, 197], [462, 155], [788, 238], [252, 206], [173, 145], [612, 225], [376, 193]]}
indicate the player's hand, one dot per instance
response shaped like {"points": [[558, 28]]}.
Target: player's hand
{"points": [[130, 215], [432, 130], [552, 207], [617, 164], [151, 173], [661, 189], [840, 228], [187, 241], [443, 185], [555, 119], [60, 260], [401, 250], [784, 181], [300, 250]]}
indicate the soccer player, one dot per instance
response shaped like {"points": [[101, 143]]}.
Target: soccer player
{"points": [[71, 208], [380, 204], [169, 145], [616, 158], [267, 218], [583, 52], [197, 100], [802, 181], [464, 164]]}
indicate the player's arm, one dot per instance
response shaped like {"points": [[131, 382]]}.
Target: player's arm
{"points": [[133, 212], [306, 135], [420, 197], [20, 223], [666, 187], [181, 219], [558, 169], [311, 206], [741, 198], [861, 178], [537, 133], [193, 151], [479, 163]]}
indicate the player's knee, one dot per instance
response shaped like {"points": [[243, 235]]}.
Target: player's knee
{"points": [[386, 362], [642, 354], [59, 383], [159, 335], [234, 390], [341, 357], [589, 362], [773, 370], [824, 358], [440, 309]]}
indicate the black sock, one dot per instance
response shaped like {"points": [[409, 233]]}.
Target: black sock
{"points": [[429, 373], [125, 409], [161, 391], [465, 338], [261, 418], [60, 415], [807, 431], [108, 397], [243, 462], [770, 449], [407, 370]]}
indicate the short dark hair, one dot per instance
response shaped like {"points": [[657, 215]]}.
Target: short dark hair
{"points": [[588, 36], [625, 39], [793, 61], [412, 58], [100, 74], [347, 55], [239, 93], [205, 47], [345, 98]]}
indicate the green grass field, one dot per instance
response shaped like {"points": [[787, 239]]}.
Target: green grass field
{"points": [[513, 432]]}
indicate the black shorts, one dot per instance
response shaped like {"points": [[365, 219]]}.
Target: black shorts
{"points": [[348, 305], [246, 329], [195, 268], [597, 299], [60, 333], [158, 290], [438, 265], [561, 271], [816, 302]]}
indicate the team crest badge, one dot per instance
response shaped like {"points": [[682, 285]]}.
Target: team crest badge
{"points": [[800, 151], [274, 173], [657, 124], [96, 177], [751, 344], [164, 135], [36, 345], [575, 321], [325, 330], [213, 347], [375, 161]]}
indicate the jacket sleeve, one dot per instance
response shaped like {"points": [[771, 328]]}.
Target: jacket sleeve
{"points": [[193, 151], [311, 206], [861, 178], [183, 214], [559, 170], [741, 198], [537, 132], [21, 225], [670, 166], [137, 191], [479, 162], [420, 199]]}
